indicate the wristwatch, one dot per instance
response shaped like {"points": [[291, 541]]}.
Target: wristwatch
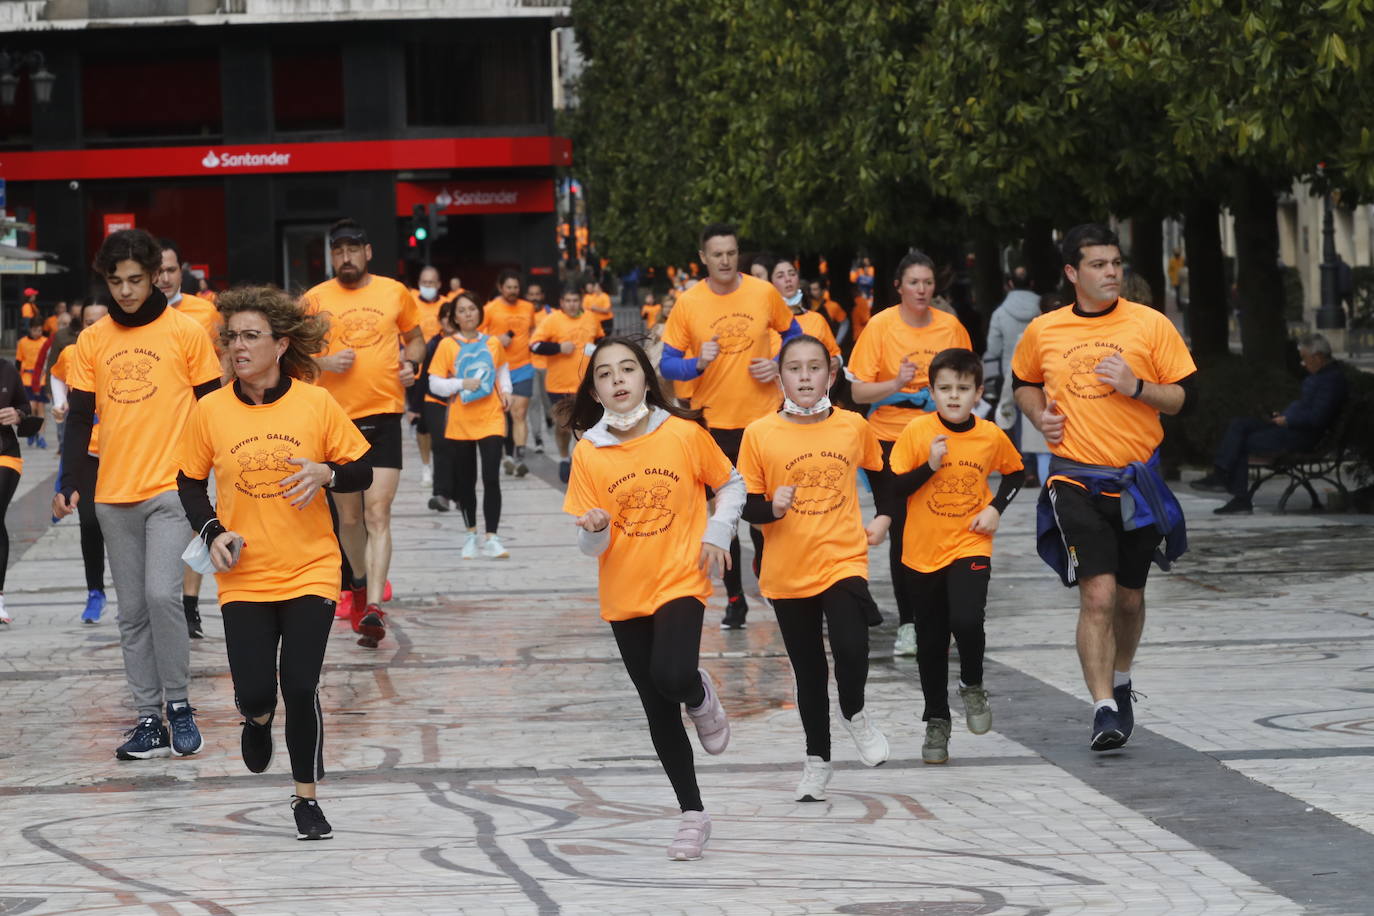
{"points": [[332, 474]]}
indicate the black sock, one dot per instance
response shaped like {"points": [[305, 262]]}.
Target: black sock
{"points": [[360, 583], [191, 604], [520, 453]]}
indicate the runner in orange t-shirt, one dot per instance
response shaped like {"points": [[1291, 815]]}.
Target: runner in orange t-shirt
{"points": [[785, 279], [511, 321], [565, 340], [800, 467], [1094, 378], [941, 464], [650, 310], [273, 442], [427, 303], [141, 368], [29, 352], [726, 321], [539, 418], [888, 369], [598, 302], [364, 371], [637, 491], [15, 409]]}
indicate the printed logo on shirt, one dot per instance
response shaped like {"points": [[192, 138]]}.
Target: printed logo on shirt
{"points": [[129, 375], [359, 327], [1082, 363], [819, 487], [264, 462], [732, 332], [954, 495], [642, 502]]}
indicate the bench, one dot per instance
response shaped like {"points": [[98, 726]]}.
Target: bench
{"points": [[1323, 462]]}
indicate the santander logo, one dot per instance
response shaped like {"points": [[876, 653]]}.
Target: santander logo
{"points": [[245, 160]]}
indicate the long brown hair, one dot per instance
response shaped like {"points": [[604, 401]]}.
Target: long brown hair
{"points": [[581, 412], [304, 334]]}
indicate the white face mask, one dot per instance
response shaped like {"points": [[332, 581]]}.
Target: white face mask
{"points": [[626, 420], [794, 300], [796, 410], [429, 293]]}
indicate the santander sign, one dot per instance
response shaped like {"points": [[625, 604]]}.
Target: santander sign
{"points": [[245, 160]]}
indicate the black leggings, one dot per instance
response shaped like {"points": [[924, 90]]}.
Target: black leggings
{"points": [[252, 632], [729, 441], [660, 653], [800, 620], [952, 602], [441, 447], [9, 480], [92, 541], [464, 456], [901, 588]]}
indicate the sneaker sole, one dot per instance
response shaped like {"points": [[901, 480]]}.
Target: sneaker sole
{"points": [[983, 731], [367, 642], [1108, 740], [935, 763], [200, 747], [323, 836], [144, 755], [810, 798]]}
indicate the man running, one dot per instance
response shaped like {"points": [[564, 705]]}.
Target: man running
{"points": [[364, 372], [511, 320], [427, 304], [1094, 379], [726, 322]]}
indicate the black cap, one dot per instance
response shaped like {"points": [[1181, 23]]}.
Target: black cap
{"points": [[347, 234]]}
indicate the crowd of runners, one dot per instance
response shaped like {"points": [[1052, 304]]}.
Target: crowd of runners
{"points": [[267, 431]]}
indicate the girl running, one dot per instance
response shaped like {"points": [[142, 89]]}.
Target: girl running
{"points": [[815, 567], [637, 492], [470, 370], [272, 443]]}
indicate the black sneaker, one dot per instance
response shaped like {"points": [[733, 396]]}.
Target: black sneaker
{"points": [[1125, 697], [310, 822], [1108, 734], [1212, 483], [1238, 505], [193, 625], [735, 611], [181, 721], [256, 744], [438, 504], [565, 469], [147, 739]]}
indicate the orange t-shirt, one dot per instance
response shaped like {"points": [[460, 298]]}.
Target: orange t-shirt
{"points": [[366, 320], [28, 310], [536, 360], [500, 316], [815, 325], [287, 552], [49, 325], [204, 313], [1103, 426], [650, 314], [821, 539], [739, 321], [427, 313], [600, 303], [652, 488], [832, 308], [566, 369], [26, 352], [59, 371], [938, 514], [143, 380], [879, 351], [476, 419]]}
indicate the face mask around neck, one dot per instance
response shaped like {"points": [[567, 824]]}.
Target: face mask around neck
{"points": [[794, 300], [626, 420], [790, 406]]}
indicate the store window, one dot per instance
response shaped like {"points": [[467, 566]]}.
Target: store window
{"points": [[496, 80], [171, 94], [307, 88]]}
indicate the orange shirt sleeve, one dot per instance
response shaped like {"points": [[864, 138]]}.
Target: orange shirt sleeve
{"points": [[202, 365], [1008, 459], [444, 355], [580, 497], [910, 451], [1170, 356], [1025, 361], [82, 373], [866, 361], [196, 456], [407, 315], [779, 315], [750, 465], [713, 468], [873, 449], [677, 333], [343, 442]]}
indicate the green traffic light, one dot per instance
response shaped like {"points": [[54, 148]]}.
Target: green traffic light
{"points": [[421, 233]]}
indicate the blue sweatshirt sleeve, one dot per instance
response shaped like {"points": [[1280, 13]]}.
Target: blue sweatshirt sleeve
{"points": [[675, 366]]}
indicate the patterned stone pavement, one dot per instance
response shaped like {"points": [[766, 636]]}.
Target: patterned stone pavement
{"points": [[492, 758]]}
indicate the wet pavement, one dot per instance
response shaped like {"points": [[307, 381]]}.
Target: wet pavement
{"points": [[492, 757]]}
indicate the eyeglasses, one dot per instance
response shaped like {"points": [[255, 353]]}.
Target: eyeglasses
{"points": [[249, 337]]}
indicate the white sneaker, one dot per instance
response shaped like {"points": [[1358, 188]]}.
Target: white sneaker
{"points": [[493, 550], [871, 743], [470, 546], [713, 726], [815, 777], [4, 614], [692, 833], [427, 476], [906, 640]]}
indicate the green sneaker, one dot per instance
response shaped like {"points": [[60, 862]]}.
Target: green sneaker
{"points": [[977, 712], [936, 748]]}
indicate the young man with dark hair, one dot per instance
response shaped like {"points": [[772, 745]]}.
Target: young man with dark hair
{"points": [[726, 322], [363, 372], [511, 320], [1094, 379]]}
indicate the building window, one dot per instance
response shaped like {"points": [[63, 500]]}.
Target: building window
{"points": [[307, 88], [499, 80], [173, 93]]}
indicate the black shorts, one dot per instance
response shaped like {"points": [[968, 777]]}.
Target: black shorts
{"points": [[1097, 542], [383, 432], [729, 441]]}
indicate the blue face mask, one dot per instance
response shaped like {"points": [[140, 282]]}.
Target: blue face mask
{"points": [[794, 300]]}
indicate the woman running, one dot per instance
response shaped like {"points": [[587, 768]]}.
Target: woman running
{"points": [[272, 441], [800, 468], [888, 369], [15, 396], [31, 352], [435, 412], [637, 493], [470, 370]]}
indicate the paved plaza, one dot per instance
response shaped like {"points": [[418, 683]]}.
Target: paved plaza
{"points": [[492, 757]]}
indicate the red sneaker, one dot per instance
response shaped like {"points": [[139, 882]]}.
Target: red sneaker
{"points": [[386, 591], [341, 610], [372, 626], [357, 607]]}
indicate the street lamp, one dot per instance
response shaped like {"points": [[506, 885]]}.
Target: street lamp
{"points": [[1330, 316], [39, 75]]}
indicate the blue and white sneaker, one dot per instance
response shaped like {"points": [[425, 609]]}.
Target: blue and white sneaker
{"points": [[186, 739], [1125, 698], [147, 739], [1108, 735], [95, 606]]}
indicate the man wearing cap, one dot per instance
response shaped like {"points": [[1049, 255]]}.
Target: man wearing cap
{"points": [[366, 375]]}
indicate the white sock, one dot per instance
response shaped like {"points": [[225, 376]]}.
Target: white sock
{"points": [[1105, 704], [1121, 678]]}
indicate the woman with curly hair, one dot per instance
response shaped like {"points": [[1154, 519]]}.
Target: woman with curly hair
{"points": [[273, 442]]}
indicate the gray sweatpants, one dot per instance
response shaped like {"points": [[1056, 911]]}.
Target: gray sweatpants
{"points": [[145, 541]]}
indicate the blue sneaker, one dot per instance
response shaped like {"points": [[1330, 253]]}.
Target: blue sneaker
{"points": [[565, 469], [186, 739], [95, 606], [1125, 697], [1108, 734], [147, 739], [42, 443]]}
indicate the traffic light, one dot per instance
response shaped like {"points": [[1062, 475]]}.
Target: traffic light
{"points": [[437, 222], [419, 223]]}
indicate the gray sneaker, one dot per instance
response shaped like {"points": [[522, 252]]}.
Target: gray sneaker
{"points": [[977, 712], [936, 748]]}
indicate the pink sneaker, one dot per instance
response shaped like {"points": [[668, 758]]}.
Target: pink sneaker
{"points": [[713, 728], [692, 833]]}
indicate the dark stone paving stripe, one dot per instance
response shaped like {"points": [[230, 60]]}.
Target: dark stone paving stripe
{"points": [[1310, 856], [1294, 753]]}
